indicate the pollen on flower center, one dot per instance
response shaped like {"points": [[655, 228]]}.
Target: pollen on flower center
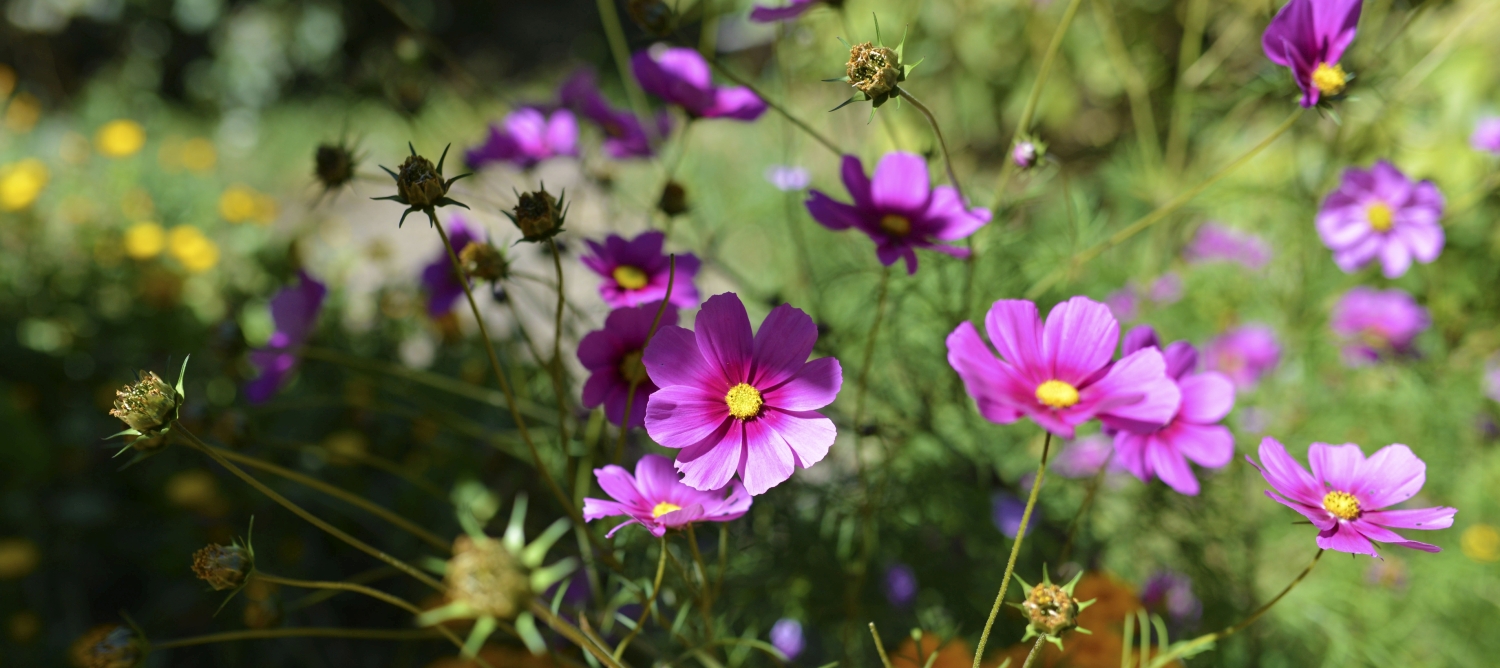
{"points": [[1330, 79], [1057, 394], [631, 367], [1343, 505], [744, 401], [663, 508], [894, 225], [630, 277], [1380, 216]]}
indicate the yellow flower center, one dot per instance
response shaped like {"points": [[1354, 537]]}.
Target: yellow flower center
{"points": [[1380, 216], [663, 508], [629, 277], [631, 367], [894, 225], [1330, 79], [1343, 505], [1057, 394], [744, 401]]}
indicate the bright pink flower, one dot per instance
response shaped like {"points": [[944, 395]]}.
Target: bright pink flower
{"points": [[1059, 373], [681, 76], [1309, 37], [1193, 433], [1245, 354], [527, 137], [1374, 323], [1344, 495], [636, 271], [1380, 213], [733, 402], [613, 357], [654, 498]]}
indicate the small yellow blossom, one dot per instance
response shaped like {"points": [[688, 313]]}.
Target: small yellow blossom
{"points": [[23, 113], [196, 252], [144, 241], [18, 558], [240, 203], [198, 154], [1481, 542], [21, 182], [120, 138]]}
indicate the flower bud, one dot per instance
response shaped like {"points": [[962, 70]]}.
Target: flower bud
{"points": [[107, 646], [222, 566], [483, 261], [538, 215], [1026, 154], [874, 70], [1050, 609], [147, 404], [673, 200], [488, 578], [334, 165], [653, 16], [419, 183]]}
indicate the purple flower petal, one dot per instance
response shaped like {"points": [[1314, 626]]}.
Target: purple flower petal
{"points": [[723, 331], [1206, 397], [781, 347], [1286, 475], [1392, 475], [900, 183]]}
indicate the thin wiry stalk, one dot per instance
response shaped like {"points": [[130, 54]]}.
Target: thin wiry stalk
{"points": [[826, 142], [304, 632], [661, 568], [557, 363], [614, 32], [630, 397], [880, 646], [943, 143], [1036, 649], [1015, 549]]}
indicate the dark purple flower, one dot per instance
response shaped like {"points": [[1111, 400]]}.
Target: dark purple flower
{"points": [[613, 358], [1192, 433], [1171, 593], [900, 585], [1309, 37], [1374, 322], [1381, 213], [1215, 242], [294, 310], [793, 9], [1486, 135], [624, 136], [1245, 354], [1006, 512], [526, 138], [654, 498], [786, 637], [636, 271], [443, 286], [681, 76], [899, 209]]}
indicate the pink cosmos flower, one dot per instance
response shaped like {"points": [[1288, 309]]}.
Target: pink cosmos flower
{"points": [[1059, 373], [1215, 242], [624, 136], [613, 358], [1346, 492], [733, 402], [655, 499], [899, 209], [1491, 380], [637, 271], [1486, 135], [792, 10], [1374, 322], [1244, 354], [1380, 213], [1192, 433], [1081, 458], [527, 137], [681, 76], [1309, 37], [294, 310]]}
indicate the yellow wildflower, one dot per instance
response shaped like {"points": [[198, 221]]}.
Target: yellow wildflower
{"points": [[240, 203], [20, 183], [120, 138], [196, 252], [23, 113], [1481, 542], [144, 241]]}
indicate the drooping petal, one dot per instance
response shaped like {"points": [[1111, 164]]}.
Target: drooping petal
{"points": [[620, 485], [781, 346], [1171, 467], [855, 180], [1392, 475], [768, 460], [594, 509], [1337, 465], [832, 214], [1210, 446], [808, 434], [1206, 397], [1130, 453], [680, 416], [1319, 517], [816, 385], [1381, 534], [723, 329], [1079, 338], [1395, 259], [712, 462], [1286, 475], [1345, 538], [1419, 518]]}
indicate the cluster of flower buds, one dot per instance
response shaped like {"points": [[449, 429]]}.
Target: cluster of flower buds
{"points": [[1051, 610], [539, 215]]}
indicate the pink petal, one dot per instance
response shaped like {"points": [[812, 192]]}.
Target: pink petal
{"points": [[995, 392], [562, 133], [856, 182], [656, 479], [1015, 329], [1208, 446], [1130, 453], [712, 462], [1079, 338], [673, 358], [732, 507], [724, 338], [1419, 518], [1395, 258], [1424, 240], [1206, 397], [1286, 475], [597, 388], [1345, 538], [1319, 517], [620, 485], [809, 435], [1358, 255], [1136, 389], [768, 460], [1171, 467], [900, 183], [594, 509], [1392, 475], [814, 387], [781, 347], [1337, 465], [1341, 227], [832, 214], [1381, 534], [681, 517], [681, 416]]}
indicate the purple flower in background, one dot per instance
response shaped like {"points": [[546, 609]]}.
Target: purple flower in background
{"points": [[636, 271], [793, 9], [1486, 135], [1309, 37], [1492, 379], [1215, 242], [787, 178], [1345, 493], [1193, 432], [1124, 303], [1373, 322], [1171, 593], [1166, 289], [1060, 374], [1244, 354], [681, 76], [1025, 154], [737, 403], [1389, 573], [899, 209], [1082, 458], [624, 137], [294, 310], [655, 499], [900, 585], [1006, 512], [1379, 212], [441, 282], [786, 637], [526, 138], [613, 358]]}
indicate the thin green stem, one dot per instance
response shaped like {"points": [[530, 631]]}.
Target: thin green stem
{"points": [[827, 143], [557, 363], [880, 646], [635, 382], [947, 157], [567, 630], [706, 596], [435, 381], [1135, 84], [661, 568], [1036, 650], [304, 632], [1182, 97], [864, 366], [406, 568], [1015, 549], [614, 32]]}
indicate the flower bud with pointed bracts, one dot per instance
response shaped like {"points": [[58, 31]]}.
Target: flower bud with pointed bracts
{"points": [[539, 215], [107, 646], [874, 70], [334, 165], [482, 260], [223, 566], [486, 576], [1051, 610], [420, 185]]}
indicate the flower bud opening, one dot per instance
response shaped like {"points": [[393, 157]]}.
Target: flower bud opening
{"points": [[146, 404], [419, 183], [874, 70], [1050, 609], [106, 646], [487, 577], [538, 215], [222, 566]]}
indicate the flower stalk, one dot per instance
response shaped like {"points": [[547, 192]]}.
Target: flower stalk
{"points": [[1015, 549], [635, 382], [943, 143]]}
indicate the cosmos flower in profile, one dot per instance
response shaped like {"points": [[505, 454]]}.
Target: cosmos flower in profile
{"points": [[1309, 37], [1345, 494], [1375, 323], [294, 310], [680, 76], [1379, 213], [655, 499], [527, 137], [636, 271], [612, 356], [1245, 354]]}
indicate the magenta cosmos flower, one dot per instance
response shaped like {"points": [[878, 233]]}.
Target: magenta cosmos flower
{"points": [[792, 10], [1380, 213], [899, 209], [1486, 135], [733, 402], [681, 76], [613, 358], [636, 271], [1346, 492], [1244, 354], [443, 286], [1309, 37], [294, 310], [624, 136], [1059, 373], [1193, 433], [527, 137], [655, 499], [1217, 243], [1374, 322]]}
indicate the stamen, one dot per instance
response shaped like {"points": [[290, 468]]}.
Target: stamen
{"points": [[630, 277], [663, 508], [1330, 79], [894, 225], [631, 368], [744, 401], [1380, 215], [1343, 505], [1057, 394]]}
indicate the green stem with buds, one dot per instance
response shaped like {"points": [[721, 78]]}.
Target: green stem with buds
{"points": [[1015, 549]]}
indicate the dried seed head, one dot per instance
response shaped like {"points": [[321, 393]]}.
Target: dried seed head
{"points": [[334, 165], [419, 183], [222, 566], [673, 200], [106, 646], [653, 16], [487, 577], [146, 404], [483, 261], [539, 215], [874, 70], [1050, 609]]}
